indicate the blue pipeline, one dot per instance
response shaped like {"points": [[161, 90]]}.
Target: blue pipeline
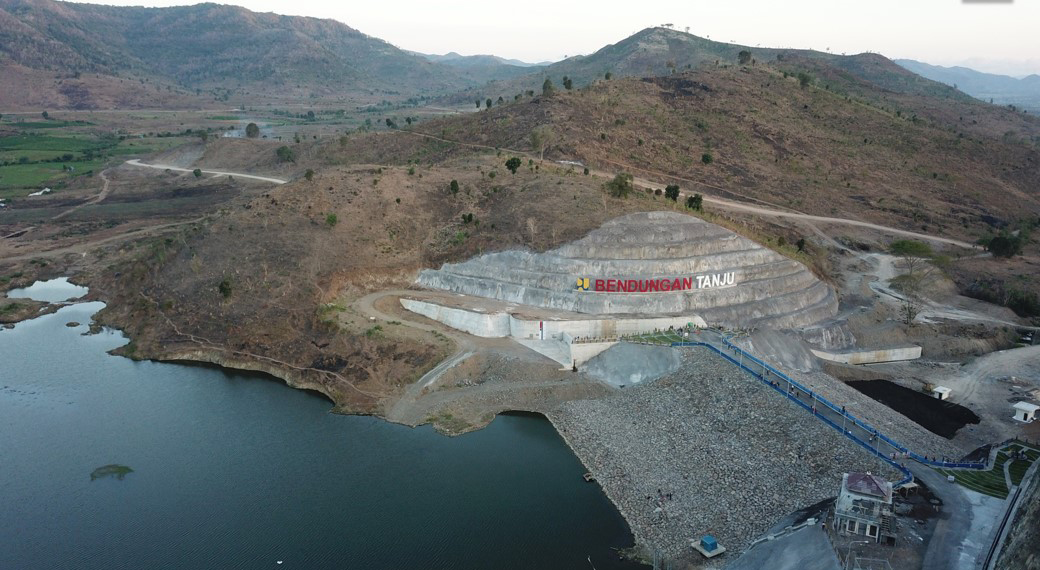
{"points": [[908, 476]]}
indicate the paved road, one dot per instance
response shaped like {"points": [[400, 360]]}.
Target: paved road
{"points": [[137, 162], [776, 211]]}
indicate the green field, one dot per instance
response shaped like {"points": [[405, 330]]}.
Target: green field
{"points": [[53, 143], [85, 154], [47, 124]]}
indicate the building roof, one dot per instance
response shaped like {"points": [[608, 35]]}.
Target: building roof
{"points": [[1026, 407], [941, 390], [867, 484]]}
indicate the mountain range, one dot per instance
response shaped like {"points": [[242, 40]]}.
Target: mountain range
{"points": [[1001, 89]]}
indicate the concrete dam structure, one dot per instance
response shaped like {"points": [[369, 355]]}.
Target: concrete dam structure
{"points": [[650, 264]]}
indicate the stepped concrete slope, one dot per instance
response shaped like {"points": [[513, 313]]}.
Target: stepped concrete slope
{"points": [[651, 263]]}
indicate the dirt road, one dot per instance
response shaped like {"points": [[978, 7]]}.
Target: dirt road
{"points": [[93, 200], [137, 162], [775, 211]]}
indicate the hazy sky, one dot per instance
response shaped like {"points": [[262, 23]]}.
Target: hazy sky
{"points": [[1000, 37]]}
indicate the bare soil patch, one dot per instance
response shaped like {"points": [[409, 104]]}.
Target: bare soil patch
{"points": [[937, 416]]}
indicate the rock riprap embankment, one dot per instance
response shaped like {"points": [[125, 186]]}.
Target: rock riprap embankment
{"points": [[707, 450], [651, 263]]}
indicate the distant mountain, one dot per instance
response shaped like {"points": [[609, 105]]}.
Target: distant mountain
{"points": [[465, 60], [1002, 89], [483, 68], [206, 46], [662, 51]]}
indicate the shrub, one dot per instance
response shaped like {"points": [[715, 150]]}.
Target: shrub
{"points": [[309, 175], [331, 220], [285, 154], [706, 158], [197, 172], [620, 186]]}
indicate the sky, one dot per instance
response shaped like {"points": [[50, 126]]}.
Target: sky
{"points": [[993, 36]]}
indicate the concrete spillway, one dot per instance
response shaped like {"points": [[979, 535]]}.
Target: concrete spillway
{"points": [[652, 263]]}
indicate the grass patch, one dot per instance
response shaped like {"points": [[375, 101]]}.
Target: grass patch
{"points": [[989, 482]]}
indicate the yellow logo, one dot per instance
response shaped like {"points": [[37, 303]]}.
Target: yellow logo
{"points": [[583, 284]]}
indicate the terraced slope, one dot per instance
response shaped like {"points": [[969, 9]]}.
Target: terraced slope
{"points": [[639, 258]]}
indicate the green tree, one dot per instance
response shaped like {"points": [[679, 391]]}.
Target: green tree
{"points": [[513, 164], [45, 115], [608, 75], [672, 192], [252, 130], [309, 175], [547, 87], [286, 154], [804, 79], [1005, 245], [567, 83], [197, 172], [488, 103], [914, 253], [310, 115], [706, 158], [744, 57], [225, 288], [454, 186], [586, 172], [695, 202], [408, 120], [390, 123], [620, 186], [478, 104], [800, 244]]}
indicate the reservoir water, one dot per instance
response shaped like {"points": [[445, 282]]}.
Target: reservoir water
{"points": [[107, 463]]}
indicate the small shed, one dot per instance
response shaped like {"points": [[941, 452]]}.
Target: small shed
{"points": [[1025, 412], [941, 392], [708, 546]]}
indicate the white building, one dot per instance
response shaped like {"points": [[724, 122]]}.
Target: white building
{"points": [[941, 392], [864, 506], [1025, 412]]}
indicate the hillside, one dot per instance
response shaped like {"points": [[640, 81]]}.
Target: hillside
{"points": [[916, 162], [208, 49], [663, 51], [1002, 89]]}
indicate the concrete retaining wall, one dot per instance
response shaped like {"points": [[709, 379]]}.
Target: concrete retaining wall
{"points": [[488, 325], [871, 356]]}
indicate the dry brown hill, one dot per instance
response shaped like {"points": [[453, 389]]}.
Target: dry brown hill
{"points": [[947, 166], [206, 50]]}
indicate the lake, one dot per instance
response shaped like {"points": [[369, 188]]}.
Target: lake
{"points": [[109, 463]]}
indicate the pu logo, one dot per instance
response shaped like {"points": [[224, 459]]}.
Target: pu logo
{"points": [[584, 284]]}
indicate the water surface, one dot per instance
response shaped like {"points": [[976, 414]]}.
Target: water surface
{"points": [[238, 471]]}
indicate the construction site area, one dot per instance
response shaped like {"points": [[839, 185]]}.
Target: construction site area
{"points": [[735, 406]]}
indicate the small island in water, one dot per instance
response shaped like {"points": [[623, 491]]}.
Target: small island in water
{"points": [[117, 471]]}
